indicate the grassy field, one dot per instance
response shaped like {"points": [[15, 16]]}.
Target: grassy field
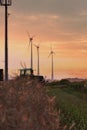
{"points": [[72, 101]]}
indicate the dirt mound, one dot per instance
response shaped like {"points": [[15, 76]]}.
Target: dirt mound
{"points": [[24, 105]]}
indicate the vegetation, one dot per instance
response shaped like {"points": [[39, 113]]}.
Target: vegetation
{"points": [[71, 99], [25, 105]]}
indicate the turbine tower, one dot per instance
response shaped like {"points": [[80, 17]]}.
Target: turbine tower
{"points": [[52, 63], [38, 67], [31, 44]]}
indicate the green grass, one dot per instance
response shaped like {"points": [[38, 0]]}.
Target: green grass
{"points": [[73, 105]]}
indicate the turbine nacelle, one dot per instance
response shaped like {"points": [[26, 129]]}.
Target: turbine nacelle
{"points": [[37, 46], [31, 38], [51, 53]]}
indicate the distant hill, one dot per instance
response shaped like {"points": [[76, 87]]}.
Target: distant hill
{"points": [[76, 79]]}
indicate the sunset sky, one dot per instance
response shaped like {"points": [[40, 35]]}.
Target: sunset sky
{"points": [[61, 24]]}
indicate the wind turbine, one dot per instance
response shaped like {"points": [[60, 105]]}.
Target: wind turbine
{"points": [[52, 63], [31, 44], [38, 67]]}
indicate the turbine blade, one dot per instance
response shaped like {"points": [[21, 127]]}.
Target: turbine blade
{"points": [[51, 47], [49, 54], [28, 34], [29, 42], [39, 44], [33, 36], [35, 45]]}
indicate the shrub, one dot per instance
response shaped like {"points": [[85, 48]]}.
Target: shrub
{"points": [[24, 105], [65, 82]]}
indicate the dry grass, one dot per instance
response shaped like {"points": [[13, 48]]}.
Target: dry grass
{"points": [[24, 105]]}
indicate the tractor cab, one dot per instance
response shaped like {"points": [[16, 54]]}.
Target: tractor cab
{"points": [[26, 72]]}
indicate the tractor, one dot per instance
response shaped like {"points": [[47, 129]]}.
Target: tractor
{"points": [[29, 72]]}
